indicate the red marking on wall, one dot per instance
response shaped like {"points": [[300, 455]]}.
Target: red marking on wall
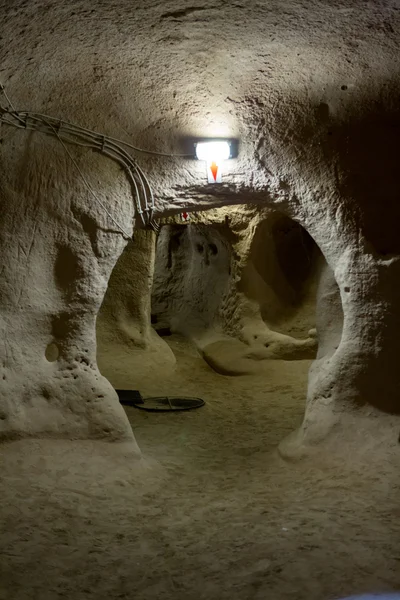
{"points": [[214, 170]]}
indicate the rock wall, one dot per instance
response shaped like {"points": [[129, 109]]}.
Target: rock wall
{"points": [[227, 282], [192, 276], [329, 315], [58, 249], [126, 341]]}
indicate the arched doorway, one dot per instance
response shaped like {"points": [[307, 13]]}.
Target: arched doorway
{"points": [[230, 294]]}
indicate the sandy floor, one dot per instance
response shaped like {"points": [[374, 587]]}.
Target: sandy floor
{"points": [[211, 513]]}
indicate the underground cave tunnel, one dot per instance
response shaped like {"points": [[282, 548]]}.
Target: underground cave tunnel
{"points": [[239, 286], [275, 297]]}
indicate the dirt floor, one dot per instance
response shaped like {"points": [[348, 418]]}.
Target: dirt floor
{"points": [[211, 512]]}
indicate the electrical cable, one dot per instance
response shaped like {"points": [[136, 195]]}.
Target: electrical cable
{"points": [[142, 150], [2, 89], [126, 235], [118, 153], [70, 133]]}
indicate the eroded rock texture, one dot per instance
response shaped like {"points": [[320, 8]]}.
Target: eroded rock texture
{"points": [[57, 254], [192, 277], [310, 89], [126, 341], [233, 281]]}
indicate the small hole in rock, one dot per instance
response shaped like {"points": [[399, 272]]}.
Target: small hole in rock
{"points": [[200, 248], [344, 87], [266, 345], [213, 249], [346, 289], [52, 352]]}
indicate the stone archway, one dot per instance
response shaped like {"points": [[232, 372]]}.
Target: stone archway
{"points": [[358, 380]]}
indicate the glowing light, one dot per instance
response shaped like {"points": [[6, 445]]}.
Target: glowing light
{"points": [[213, 151]]}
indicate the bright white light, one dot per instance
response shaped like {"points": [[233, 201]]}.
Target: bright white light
{"points": [[213, 152]]}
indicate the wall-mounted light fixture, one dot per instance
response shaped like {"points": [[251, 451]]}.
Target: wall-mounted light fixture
{"points": [[214, 152]]}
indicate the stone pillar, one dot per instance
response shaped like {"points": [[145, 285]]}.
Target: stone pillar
{"points": [[128, 348], [358, 375], [58, 248]]}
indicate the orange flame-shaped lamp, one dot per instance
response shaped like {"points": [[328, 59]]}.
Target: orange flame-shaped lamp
{"points": [[214, 152]]}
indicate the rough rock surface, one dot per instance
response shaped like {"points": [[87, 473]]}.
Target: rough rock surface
{"points": [[329, 314], [56, 260], [126, 341], [310, 89], [192, 275], [226, 281]]}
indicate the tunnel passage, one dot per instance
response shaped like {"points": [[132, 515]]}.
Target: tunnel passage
{"points": [[281, 274], [240, 287]]}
